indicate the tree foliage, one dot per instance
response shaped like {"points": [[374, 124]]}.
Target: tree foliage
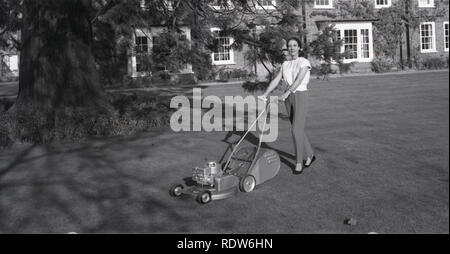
{"points": [[70, 48], [327, 48]]}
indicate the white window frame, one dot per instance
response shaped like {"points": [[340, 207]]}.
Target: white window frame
{"points": [[340, 27], [218, 7], [433, 38], [169, 5], [425, 5], [12, 62], [379, 6], [329, 6], [446, 40], [266, 7], [223, 62], [140, 33]]}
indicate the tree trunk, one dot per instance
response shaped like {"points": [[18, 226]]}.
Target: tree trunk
{"points": [[1, 66], [57, 66]]}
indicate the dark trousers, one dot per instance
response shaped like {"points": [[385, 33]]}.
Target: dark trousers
{"points": [[297, 106]]}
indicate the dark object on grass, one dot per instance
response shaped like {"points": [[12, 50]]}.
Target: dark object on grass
{"points": [[351, 222]]}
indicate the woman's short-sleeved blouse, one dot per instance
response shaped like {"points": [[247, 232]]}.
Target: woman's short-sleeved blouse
{"points": [[290, 70]]}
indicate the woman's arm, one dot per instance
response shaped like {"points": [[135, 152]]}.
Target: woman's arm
{"points": [[298, 80], [273, 84]]}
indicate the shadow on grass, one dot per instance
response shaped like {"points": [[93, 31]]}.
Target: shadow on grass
{"points": [[56, 189], [285, 157]]}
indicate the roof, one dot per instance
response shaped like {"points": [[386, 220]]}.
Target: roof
{"points": [[344, 20]]}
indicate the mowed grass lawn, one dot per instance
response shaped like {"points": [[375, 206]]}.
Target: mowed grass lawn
{"points": [[382, 146]]}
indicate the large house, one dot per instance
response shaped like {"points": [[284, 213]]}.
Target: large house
{"points": [[429, 39], [426, 40]]}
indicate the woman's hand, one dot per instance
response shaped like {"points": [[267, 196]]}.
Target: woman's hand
{"points": [[284, 96], [263, 97]]}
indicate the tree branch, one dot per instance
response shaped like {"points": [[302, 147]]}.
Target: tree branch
{"points": [[103, 10]]}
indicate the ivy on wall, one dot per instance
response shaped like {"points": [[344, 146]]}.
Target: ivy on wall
{"points": [[389, 27]]}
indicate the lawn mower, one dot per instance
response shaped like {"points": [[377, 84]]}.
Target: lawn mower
{"points": [[245, 168]]}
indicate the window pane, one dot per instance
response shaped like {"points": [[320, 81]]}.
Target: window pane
{"points": [[365, 52], [426, 34], [351, 43], [141, 44], [322, 2], [222, 52], [446, 36]]}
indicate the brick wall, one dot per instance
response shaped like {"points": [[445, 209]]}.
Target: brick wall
{"points": [[419, 56]]}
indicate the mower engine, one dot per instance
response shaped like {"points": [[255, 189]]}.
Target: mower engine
{"points": [[205, 175]]}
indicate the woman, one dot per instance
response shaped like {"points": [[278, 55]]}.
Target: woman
{"points": [[295, 73]]}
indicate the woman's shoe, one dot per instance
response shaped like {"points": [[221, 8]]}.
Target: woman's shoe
{"points": [[298, 171], [312, 160]]}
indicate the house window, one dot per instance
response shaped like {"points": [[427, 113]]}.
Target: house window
{"points": [[357, 41], [426, 3], [365, 43], [427, 37], [382, 3], [218, 5], [141, 44], [351, 43], [446, 36], [142, 63], [169, 4], [155, 40], [223, 53], [143, 4], [141, 56], [11, 63], [266, 4], [323, 3]]}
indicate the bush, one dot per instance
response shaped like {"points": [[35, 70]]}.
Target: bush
{"points": [[382, 65], [435, 63], [130, 113], [235, 74], [140, 111], [6, 136], [345, 67], [322, 70], [5, 104]]}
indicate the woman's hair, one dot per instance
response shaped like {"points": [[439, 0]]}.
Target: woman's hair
{"points": [[300, 53], [294, 39]]}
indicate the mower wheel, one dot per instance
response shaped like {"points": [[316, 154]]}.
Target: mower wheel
{"points": [[204, 197], [247, 183], [176, 190]]}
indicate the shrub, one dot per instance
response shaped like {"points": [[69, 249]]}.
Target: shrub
{"points": [[345, 67], [5, 104], [235, 74], [382, 65], [6, 128], [130, 113], [322, 70], [33, 126], [434, 63]]}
